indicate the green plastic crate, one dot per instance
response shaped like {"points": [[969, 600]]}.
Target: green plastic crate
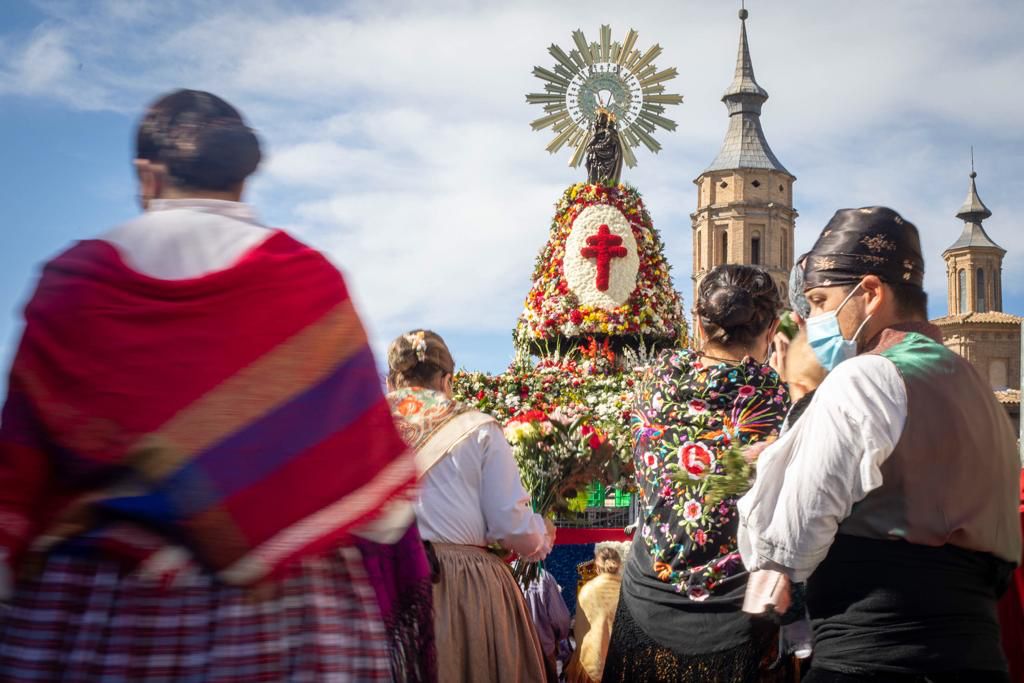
{"points": [[596, 497]]}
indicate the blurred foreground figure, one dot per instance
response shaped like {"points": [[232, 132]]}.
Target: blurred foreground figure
{"points": [[895, 494], [470, 497], [199, 475]]}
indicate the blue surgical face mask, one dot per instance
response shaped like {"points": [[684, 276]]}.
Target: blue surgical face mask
{"points": [[826, 339]]}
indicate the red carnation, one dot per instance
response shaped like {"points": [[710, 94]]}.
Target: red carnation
{"points": [[576, 317]]}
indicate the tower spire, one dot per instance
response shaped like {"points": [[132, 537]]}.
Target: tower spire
{"points": [[744, 92], [745, 145], [973, 210]]}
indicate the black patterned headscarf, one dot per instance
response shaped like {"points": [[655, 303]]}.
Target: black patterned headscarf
{"points": [[874, 240]]}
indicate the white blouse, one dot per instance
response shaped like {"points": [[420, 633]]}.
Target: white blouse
{"points": [[474, 496], [808, 481]]}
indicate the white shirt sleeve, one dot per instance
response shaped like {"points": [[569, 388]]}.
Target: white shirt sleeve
{"points": [[506, 504], [808, 480]]}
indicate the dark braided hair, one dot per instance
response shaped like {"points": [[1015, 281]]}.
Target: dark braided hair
{"points": [[737, 303], [201, 139]]}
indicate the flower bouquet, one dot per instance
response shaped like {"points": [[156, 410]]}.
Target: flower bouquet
{"points": [[582, 385], [556, 453]]}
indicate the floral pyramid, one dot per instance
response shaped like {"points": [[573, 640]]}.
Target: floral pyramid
{"points": [[602, 274]]}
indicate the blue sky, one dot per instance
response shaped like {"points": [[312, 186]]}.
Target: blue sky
{"points": [[397, 134]]}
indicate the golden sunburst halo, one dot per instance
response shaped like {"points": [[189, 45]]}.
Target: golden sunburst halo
{"points": [[615, 76]]}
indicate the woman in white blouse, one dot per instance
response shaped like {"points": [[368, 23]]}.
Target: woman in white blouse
{"points": [[470, 497]]}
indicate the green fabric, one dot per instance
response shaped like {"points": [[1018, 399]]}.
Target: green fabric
{"points": [[917, 355]]}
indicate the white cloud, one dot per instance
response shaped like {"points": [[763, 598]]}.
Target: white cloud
{"points": [[398, 139]]}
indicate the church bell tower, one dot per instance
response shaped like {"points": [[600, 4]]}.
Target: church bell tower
{"points": [[974, 263], [745, 197]]}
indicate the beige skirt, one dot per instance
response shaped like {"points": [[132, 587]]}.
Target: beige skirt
{"points": [[483, 630]]}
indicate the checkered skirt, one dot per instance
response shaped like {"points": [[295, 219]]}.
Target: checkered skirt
{"points": [[84, 620]]}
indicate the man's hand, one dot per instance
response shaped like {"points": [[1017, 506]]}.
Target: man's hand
{"points": [[780, 349]]}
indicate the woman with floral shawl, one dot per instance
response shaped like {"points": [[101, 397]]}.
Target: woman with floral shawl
{"points": [[679, 616], [470, 497]]}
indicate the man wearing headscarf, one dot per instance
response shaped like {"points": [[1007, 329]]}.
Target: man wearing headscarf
{"points": [[895, 495]]}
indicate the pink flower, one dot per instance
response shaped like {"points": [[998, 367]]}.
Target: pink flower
{"points": [[692, 510], [697, 594], [698, 406], [696, 459], [700, 537], [746, 391]]}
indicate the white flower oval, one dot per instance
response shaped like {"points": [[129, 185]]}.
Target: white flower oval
{"points": [[581, 272]]}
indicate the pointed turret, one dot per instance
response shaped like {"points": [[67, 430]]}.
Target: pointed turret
{"points": [[745, 145], [745, 197], [974, 263], [972, 213]]}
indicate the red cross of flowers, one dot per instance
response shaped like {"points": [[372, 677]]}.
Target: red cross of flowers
{"points": [[604, 246]]}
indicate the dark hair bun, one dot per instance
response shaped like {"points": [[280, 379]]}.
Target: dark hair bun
{"points": [[737, 303], [201, 139], [221, 154], [730, 307]]}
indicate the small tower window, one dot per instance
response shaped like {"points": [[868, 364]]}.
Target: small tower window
{"points": [[756, 183], [755, 249], [723, 184], [781, 188], [979, 291], [724, 256], [785, 250], [961, 285], [700, 250]]}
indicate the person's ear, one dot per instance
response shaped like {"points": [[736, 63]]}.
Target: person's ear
{"points": [[152, 178], [875, 294]]}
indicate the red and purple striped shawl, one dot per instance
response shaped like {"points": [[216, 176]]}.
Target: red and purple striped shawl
{"points": [[239, 414]]}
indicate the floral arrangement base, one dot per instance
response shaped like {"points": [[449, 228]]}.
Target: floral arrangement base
{"points": [[602, 274]]}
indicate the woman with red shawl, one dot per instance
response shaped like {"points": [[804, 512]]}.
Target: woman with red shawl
{"points": [[199, 474]]}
